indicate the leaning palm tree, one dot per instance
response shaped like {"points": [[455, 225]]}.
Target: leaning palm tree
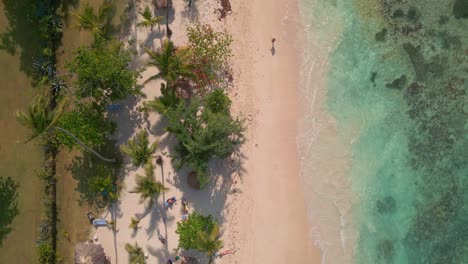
{"points": [[172, 63], [147, 187], [139, 149], [135, 254], [150, 20], [209, 243], [94, 22], [42, 120]]}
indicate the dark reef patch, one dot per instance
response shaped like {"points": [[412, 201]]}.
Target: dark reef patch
{"points": [[398, 84], [385, 251], [381, 35], [386, 205], [460, 9]]}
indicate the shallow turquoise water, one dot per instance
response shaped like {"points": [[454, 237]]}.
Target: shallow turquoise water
{"points": [[398, 75]]}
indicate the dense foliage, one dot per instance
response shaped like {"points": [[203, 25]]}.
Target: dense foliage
{"points": [[210, 51], [205, 130], [208, 242], [8, 205], [46, 253], [102, 72], [139, 148], [172, 62], [188, 230], [87, 124]]}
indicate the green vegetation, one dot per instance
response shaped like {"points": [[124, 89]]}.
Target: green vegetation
{"points": [[41, 117], [134, 223], [148, 187], [87, 124], [135, 254], [209, 242], [210, 51], [46, 253], [172, 63], [205, 130], [8, 205], [150, 20], [165, 102], [94, 22], [139, 149], [199, 232], [102, 73], [218, 102], [106, 186]]}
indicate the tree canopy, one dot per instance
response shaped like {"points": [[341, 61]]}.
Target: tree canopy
{"points": [[87, 124], [172, 62], [8, 205], [102, 72], [210, 51], [205, 130], [188, 230]]}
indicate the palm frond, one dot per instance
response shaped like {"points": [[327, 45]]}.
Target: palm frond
{"points": [[138, 148]]}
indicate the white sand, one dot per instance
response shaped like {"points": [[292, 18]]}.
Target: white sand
{"points": [[259, 204]]}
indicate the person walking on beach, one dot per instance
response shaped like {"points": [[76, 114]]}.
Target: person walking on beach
{"points": [[273, 50]]}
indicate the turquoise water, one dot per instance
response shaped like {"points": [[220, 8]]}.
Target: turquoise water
{"points": [[397, 88]]}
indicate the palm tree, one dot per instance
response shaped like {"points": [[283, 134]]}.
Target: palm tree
{"points": [[135, 254], [172, 63], [163, 103], [42, 120], [138, 148], [147, 187], [105, 185], [134, 223], [89, 20], [209, 243], [150, 20]]}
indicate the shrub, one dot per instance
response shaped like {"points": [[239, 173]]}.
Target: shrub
{"points": [[46, 253], [87, 124], [210, 53], [204, 134], [8, 205], [102, 72], [189, 230]]}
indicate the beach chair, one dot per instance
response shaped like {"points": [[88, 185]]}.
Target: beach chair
{"points": [[99, 222]]}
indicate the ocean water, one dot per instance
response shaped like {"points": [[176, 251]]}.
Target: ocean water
{"points": [[385, 143]]}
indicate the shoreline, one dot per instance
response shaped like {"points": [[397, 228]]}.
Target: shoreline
{"points": [[276, 228]]}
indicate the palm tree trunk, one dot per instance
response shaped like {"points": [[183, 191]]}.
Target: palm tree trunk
{"points": [[84, 145]]}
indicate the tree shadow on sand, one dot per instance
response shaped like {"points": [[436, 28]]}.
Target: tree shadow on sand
{"points": [[86, 168]]}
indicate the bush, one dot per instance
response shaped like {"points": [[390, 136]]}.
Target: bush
{"points": [[188, 230], [87, 124], [102, 72], [204, 133], [46, 253], [210, 53], [8, 205], [218, 102]]}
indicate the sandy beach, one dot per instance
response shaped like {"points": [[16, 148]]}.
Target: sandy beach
{"points": [[257, 195]]}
